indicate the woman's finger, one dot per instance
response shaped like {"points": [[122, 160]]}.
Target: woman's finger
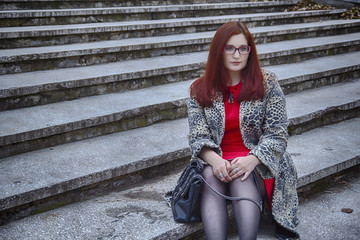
{"points": [[245, 176], [234, 171], [223, 176], [227, 177]]}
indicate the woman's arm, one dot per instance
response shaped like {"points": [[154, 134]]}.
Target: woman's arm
{"points": [[201, 141], [199, 132], [273, 141]]}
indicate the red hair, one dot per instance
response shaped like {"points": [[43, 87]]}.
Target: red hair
{"points": [[216, 78]]}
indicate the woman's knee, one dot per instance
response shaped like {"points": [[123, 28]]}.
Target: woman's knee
{"points": [[208, 173], [213, 180], [237, 186]]}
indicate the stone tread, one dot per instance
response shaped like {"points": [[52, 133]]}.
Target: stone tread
{"points": [[70, 4], [302, 106], [89, 161], [114, 215], [53, 30], [324, 66], [308, 44], [46, 120], [80, 49], [34, 82], [136, 9]]}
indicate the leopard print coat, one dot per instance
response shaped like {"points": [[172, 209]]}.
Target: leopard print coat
{"points": [[263, 126]]}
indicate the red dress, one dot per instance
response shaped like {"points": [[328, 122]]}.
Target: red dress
{"points": [[232, 144]]}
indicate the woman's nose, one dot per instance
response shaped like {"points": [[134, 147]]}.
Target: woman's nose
{"points": [[237, 54]]}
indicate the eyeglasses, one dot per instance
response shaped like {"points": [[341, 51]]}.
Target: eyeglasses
{"points": [[228, 49]]}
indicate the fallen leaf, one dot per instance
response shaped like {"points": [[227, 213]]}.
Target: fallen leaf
{"points": [[347, 210]]}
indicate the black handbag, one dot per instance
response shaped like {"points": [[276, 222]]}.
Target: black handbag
{"points": [[185, 198]]}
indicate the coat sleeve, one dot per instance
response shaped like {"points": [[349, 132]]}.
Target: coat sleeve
{"points": [[199, 132], [273, 142]]}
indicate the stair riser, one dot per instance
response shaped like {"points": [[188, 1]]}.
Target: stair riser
{"points": [[35, 62], [316, 183], [98, 16], [313, 33], [52, 136], [34, 39], [319, 119], [21, 5], [298, 56], [302, 83]]}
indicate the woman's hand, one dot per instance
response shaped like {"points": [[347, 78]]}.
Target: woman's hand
{"points": [[221, 169], [243, 166]]}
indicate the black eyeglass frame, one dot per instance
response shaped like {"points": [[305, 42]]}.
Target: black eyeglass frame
{"points": [[236, 49]]}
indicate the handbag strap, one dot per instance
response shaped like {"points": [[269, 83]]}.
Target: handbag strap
{"points": [[236, 198]]}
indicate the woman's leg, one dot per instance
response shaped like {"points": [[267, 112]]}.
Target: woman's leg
{"points": [[213, 207], [246, 213]]}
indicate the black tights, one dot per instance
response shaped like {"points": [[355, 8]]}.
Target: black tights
{"points": [[214, 211]]}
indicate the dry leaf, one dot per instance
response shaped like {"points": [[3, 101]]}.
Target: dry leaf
{"points": [[347, 210]]}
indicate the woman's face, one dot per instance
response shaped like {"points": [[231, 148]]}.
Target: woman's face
{"points": [[236, 62]]}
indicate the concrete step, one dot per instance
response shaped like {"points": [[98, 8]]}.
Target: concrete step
{"points": [[33, 36], [96, 165], [49, 125], [61, 4], [44, 87], [16, 18], [85, 54], [317, 154], [317, 72], [317, 107]]}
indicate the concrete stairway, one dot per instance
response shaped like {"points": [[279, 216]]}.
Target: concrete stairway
{"points": [[93, 106]]}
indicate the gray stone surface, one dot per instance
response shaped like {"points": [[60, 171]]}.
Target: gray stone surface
{"points": [[141, 213], [41, 121], [71, 115], [319, 152], [306, 70], [308, 44], [308, 104], [55, 4], [82, 163], [90, 161], [34, 82], [21, 54], [321, 216], [39, 31], [348, 4], [136, 9], [303, 27]]}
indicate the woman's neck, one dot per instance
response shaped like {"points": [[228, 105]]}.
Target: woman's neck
{"points": [[235, 78]]}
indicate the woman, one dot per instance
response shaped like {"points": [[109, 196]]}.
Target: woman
{"points": [[238, 125]]}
